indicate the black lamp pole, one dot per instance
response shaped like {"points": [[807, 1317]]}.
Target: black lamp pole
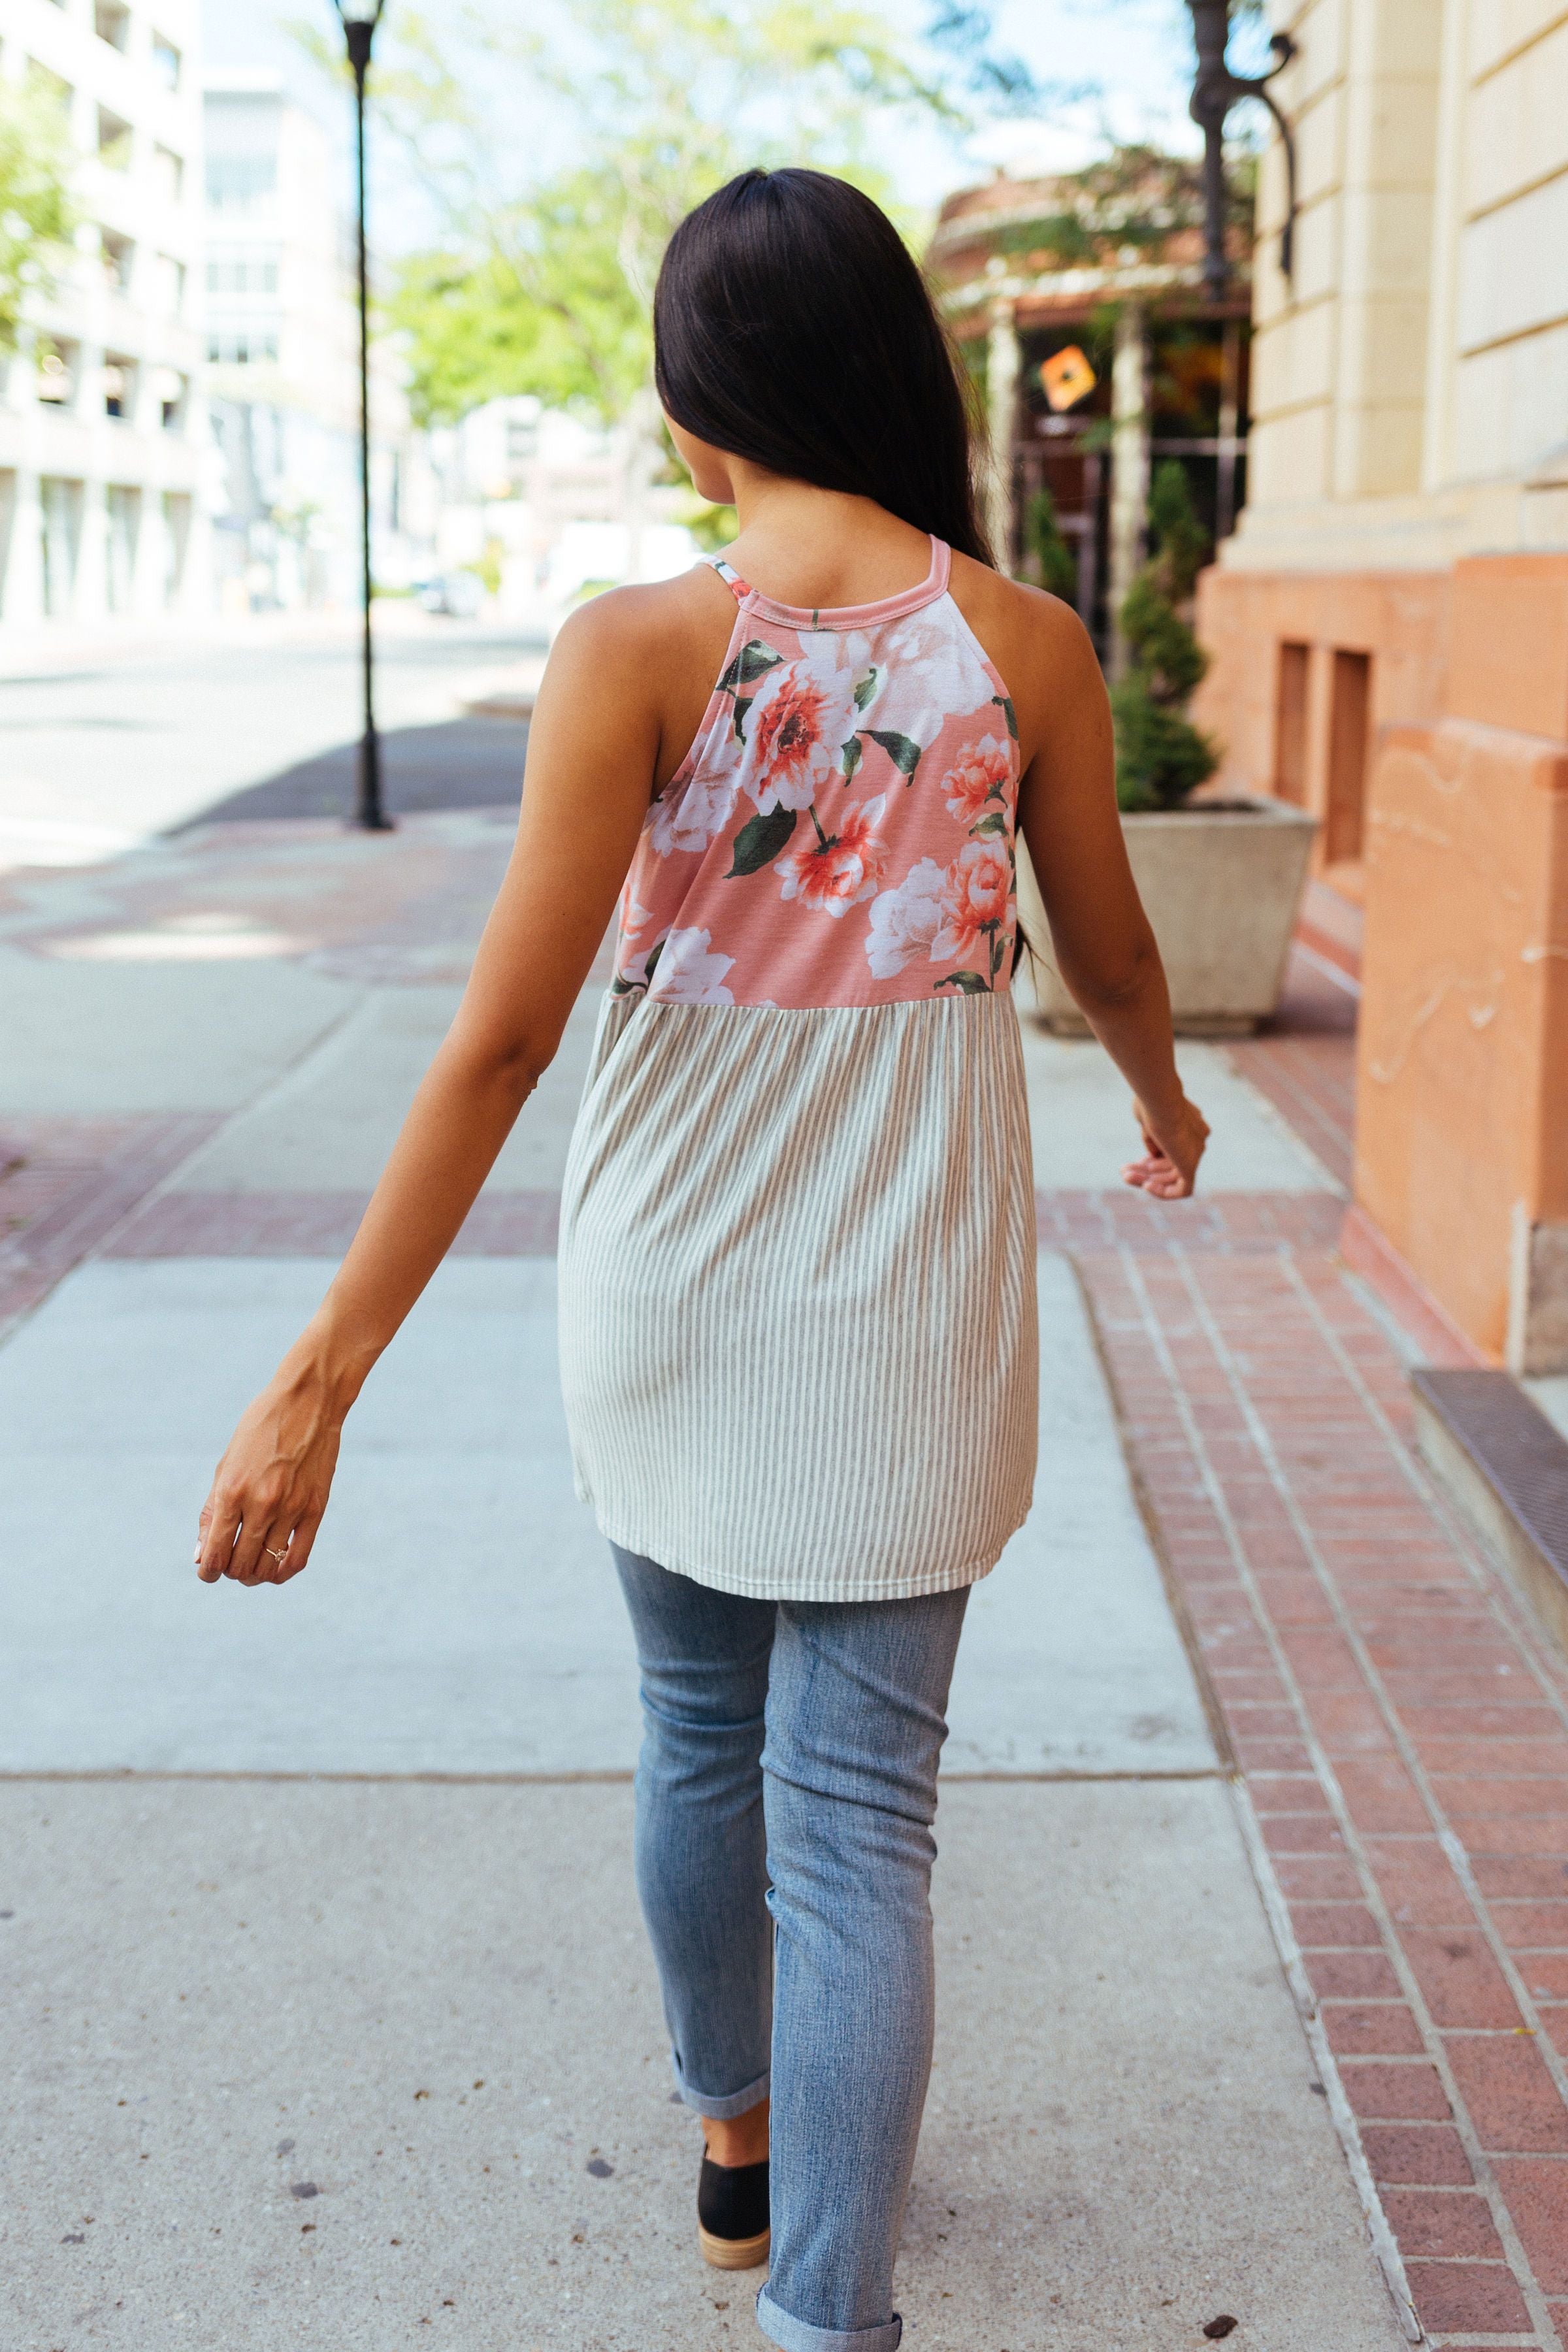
{"points": [[359, 19], [1214, 92]]}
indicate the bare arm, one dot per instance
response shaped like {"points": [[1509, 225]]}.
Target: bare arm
{"points": [[1105, 949], [594, 748]]}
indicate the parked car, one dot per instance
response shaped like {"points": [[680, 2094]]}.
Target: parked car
{"points": [[457, 594]]}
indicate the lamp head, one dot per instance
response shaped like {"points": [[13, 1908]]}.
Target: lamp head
{"points": [[359, 19]]}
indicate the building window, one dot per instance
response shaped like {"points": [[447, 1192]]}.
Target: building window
{"points": [[176, 540], [56, 366], [169, 286], [113, 140], [243, 274], [112, 22], [1350, 720], [171, 388], [169, 171], [124, 506], [118, 259], [236, 182], [60, 509], [242, 349], [166, 62], [1290, 723], [50, 89], [8, 524], [119, 387]]}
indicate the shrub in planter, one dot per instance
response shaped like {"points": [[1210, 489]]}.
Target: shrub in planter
{"points": [[1220, 880], [1051, 559], [1161, 756]]}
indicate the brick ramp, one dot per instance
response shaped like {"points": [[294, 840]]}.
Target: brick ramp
{"points": [[1403, 1736]]}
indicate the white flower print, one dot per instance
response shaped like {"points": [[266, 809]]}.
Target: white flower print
{"points": [[686, 973], [700, 810], [935, 673], [905, 921]]}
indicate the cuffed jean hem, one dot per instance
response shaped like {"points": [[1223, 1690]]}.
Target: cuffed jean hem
{"points": [[795, 2335], [722, 2111]]}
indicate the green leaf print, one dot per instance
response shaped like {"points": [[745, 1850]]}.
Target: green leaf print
{"points": [[865, 689], [997, 951], [904, 755], [1008, 713], [993, 821], [759, 840], [851, 754], [753, 661], [971, 982], [743, 704], [619, 987]]}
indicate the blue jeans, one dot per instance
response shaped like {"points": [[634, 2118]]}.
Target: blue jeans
{"points": [[788, 1767]]}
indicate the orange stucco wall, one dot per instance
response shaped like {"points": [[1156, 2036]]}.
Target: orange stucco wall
{"points": [[1400, 618], [1462, 1081], [1462, 1011]]}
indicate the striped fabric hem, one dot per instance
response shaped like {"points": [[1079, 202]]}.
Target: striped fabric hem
{"points": [[799, 1341], [842, 1587]]}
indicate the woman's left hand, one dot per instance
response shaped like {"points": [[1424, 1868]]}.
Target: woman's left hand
{"points": [[1173, 1146]]}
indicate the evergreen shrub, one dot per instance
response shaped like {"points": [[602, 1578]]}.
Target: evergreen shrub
{"points": [[1161, 756]]}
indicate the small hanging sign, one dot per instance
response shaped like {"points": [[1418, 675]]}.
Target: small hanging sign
{"points": [[1068, 378]]}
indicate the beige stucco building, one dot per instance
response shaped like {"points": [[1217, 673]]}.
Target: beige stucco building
{"points": [[1389, 623]]}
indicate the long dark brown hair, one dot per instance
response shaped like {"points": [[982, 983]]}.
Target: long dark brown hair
{"points": [[793, 328]]}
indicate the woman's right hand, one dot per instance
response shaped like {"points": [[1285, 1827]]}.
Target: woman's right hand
{"points": [[269, 1491], [1174, 1145]]}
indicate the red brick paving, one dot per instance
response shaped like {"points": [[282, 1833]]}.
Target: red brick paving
{"points": [[319, 1224], [65, 1184], [1235, 1222], [1304, 1062], [1402, 1731]]}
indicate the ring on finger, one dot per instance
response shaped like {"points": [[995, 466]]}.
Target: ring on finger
{"points": [[275, 1555]]}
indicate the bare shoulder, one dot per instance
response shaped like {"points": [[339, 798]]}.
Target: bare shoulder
{"points": [[660, 619], [1020, 627]]}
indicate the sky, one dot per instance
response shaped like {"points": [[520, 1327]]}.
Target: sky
{"points": [[1135, 53]]}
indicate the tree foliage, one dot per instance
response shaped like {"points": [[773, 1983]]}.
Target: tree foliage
{"points": [[1161, 756], [542, 277], [36, 217]]}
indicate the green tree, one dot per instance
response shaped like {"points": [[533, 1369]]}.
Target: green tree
{"points": [[36, 217], [1161, 756], [541, 278]]}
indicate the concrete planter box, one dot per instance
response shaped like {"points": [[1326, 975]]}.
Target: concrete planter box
{"points": [[1221, 885]]}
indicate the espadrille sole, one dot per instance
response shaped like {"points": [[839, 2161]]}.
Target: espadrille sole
{"points": [[733, 2254]]}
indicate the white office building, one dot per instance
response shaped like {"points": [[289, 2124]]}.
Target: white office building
{"points": [[282, 369], [104, 450]]}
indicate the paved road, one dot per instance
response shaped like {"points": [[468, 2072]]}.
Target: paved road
{"points": [[94, 757]]}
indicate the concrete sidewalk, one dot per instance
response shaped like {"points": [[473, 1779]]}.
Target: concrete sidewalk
{"points": [[392, 1864]]}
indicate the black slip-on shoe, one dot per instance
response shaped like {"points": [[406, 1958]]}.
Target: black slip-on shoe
{"points": [[732, 2214]]}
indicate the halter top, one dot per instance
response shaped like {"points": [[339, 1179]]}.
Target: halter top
{"points": [[796, 1272]]}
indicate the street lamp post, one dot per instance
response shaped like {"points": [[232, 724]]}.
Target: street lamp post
{"points": [[359, 19], [1214, 91]]}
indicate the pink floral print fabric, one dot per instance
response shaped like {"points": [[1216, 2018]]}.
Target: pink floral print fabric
{"points": [[842, 830]]}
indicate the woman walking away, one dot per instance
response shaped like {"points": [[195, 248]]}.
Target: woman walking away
{"points": [[797, 1303]]}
